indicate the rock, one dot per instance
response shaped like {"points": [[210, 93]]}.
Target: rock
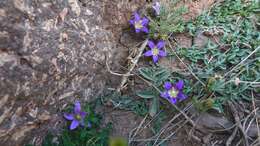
{"points": [[197, 7], [51, 53], [184, 40], [75, 7], [203, 37], [19, 133], [200, 40], [45, 116], [207, 122], [253, 131]]}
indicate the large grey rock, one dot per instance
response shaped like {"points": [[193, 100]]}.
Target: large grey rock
{"points": [[52, 51]]}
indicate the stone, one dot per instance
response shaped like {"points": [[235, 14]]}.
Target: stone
{"points": [[51, 53]]}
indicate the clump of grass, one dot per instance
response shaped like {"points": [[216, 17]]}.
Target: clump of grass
{"points": [[169, 21]]}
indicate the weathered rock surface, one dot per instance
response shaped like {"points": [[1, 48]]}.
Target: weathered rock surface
{"points": [[53, 51]]}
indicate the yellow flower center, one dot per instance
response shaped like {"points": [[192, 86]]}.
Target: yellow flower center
{"points": [[78, 117], [138, 24], [155, 51], [173, 92]]}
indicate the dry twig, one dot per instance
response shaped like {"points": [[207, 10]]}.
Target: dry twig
{"points": [[232, 136], [235, 67], [237, 119], [115, 73], [185, 64], [137, 130], [134, 62], [169, 136], [257, 124]]}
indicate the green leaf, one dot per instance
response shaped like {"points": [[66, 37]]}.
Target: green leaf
{"points": [[154, 106], [156, 75], [218, 107], [162, 74], [149, 93], [146, 73], [217, 85]]}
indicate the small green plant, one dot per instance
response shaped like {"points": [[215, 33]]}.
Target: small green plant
{"points": [[124, 102], [221, 70], [234, 57], [89, 135], [168, 21]]}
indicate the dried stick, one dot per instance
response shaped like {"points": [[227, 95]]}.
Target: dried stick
{"points": [[137, 130], [185, 115], [232, 136], [165, 127], [115, 73], [141, 128], [169, 136], [237, 119], [257, 124], [242, 61], [134, 62], [185, 64]]}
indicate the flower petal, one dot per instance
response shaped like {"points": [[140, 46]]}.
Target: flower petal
{"points": [[179, 85], [68, 116], [145, 29], [181, 96], [165, 95], [137, 30], [74, 124], [173, 100], [77, 107], [148, 53], [145, 21], [162, 53], [167, 85], [151, 44], [83, 114], [155, 58], [137, 16], [132, 22], [160, 44]]}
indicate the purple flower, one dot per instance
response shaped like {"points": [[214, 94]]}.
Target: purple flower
{"points": [[156, 7], [173, 92], [140, 24], [156, 50], [77, 117]]}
